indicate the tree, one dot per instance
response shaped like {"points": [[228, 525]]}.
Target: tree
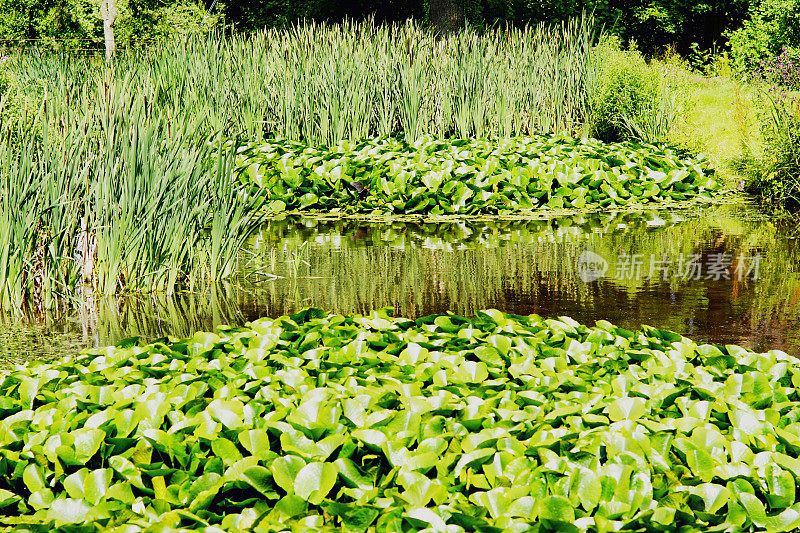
{"points": [[446, 15], [108, 11]]}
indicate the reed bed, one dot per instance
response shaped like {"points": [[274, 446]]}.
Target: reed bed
{"points": [[119, 179], [350, 81], [323, 83], [100, 191]]}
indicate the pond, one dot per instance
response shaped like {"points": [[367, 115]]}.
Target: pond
{"points": [[724, 274]]}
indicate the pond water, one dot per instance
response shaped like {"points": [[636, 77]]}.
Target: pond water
{"points": [[724, 274]]}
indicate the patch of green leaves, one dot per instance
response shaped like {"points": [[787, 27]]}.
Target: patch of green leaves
{"points": [[441, 177], [375, 423]]}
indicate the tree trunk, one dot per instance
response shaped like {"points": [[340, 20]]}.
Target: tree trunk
{"points": [[446, 16], [108, 11]]}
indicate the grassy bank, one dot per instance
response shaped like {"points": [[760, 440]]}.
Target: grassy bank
{"points": [[386, 424], [748, 123], [719, 120]]}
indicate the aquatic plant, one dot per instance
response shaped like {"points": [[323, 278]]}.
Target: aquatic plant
{"points": [[439, 176], [375, 423], [326, 82], [107, 195]]}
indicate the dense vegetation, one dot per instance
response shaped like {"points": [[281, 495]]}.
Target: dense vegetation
{"points": [[91, 153], [774, 171], [486, 423], [102, 190], [122, 178], [470, 176], [750, 30], [652, 24]]}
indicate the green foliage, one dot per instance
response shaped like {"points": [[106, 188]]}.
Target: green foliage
{"points": [[141, 20], [97, 186], [325, 83], [775, 173], [248, 16], [653, 24], [631, 98], [461, 176], [769, 26], [76, 24], [60, 19], [374, 423]]}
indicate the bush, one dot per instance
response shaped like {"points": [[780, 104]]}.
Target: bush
{"points": [[46, 19], [771, 25], [630, 97], [780, 72], [76, 24], [146, 19]]}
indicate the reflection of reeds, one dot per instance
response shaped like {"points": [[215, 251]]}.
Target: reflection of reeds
{"points": [[525, 267], [421, 270]]}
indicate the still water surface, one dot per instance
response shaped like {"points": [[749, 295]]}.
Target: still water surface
{"points": [[721, 275]]}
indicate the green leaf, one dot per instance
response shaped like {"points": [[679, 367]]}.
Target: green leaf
{"points": [[229, 412], [314, 481], [68, 511], [626, 409], [226, 450], [557, 509], [701, 463], [354, 517], [87, 442], [255, 441], [285, 470], [260, 479]]}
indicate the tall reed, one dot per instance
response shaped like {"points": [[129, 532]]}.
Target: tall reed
{"points": [[100, 190], [324, 83]]}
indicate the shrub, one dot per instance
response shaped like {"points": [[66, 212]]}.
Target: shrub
{"points": [[76, 24], [781, 71], [630, 97], [770, 26], [775, 177], [146, 19]]}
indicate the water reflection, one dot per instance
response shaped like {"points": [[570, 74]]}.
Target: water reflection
{"points": [[642, 263]]}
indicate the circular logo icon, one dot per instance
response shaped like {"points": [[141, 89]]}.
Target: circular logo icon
{"points": [[591, 266]]}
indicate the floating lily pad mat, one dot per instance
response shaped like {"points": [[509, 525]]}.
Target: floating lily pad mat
{"points": [[491, 423], [444, 177]]}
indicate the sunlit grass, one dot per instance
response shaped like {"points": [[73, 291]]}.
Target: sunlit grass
{"points": [[719, 119]]}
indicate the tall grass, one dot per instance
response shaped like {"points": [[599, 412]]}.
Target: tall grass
{"points": [[102, 191], [324, 83]]}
